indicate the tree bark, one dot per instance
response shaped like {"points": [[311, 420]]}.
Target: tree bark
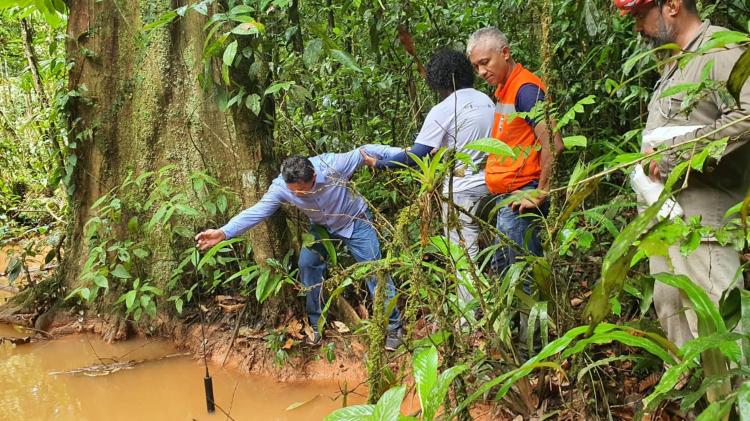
{"points": [[297, 43], [141, 108]]}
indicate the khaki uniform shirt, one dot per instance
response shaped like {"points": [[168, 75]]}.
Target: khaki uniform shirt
{"points": [[724, 183]]}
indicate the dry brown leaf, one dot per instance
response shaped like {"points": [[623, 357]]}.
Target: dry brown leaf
{"points": [[293, 328], [341, 327], [628, 386], [649, 381], [362, 312], [231, 308], [288, 344], [250, 333], [309, 332]]}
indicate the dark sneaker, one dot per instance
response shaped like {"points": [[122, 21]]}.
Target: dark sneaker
{"points": [[316, 339], [393, 339]]}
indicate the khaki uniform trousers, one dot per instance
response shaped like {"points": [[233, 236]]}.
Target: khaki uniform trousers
{"points": [[711, 266]]}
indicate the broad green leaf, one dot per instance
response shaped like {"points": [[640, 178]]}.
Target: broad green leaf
{"points": [[249, 272], [574, 141], [743, 400], [312, 53], [276, 87], [738, 76], [247, 28], [680, 87], [492, 146], [623, 337], [101, 281], [157, 217], [130, 298], [229, 53], [730, 307], [345, 59], [265, 285], [628, 66], [186, 210], [578, 108], [215, 249], [553, 348], [152, 289], [252, 102], [133, 225], [425, 363], [744, 325], [201, 7], [388, 407], [183, 231], [723, 38], [604, 362], [592, 17], [120, 272], [151, 309], [221, 202], [352, 413], [713, 149], [709, 318], [716, 410], [437, 395], [240, 9], [690, 352], [617, 263], [327, 243], [162, 20]]}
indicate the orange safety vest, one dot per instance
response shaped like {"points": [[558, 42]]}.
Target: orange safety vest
{"points": [[506, 174]]}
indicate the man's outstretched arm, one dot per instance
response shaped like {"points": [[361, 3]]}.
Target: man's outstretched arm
{"points": [[243, 221], [399, 160]]}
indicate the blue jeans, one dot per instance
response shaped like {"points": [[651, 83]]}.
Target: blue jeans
{"points": [[364, 247], [521, 229]]}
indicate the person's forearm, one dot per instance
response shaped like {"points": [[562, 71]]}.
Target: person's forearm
{"points": [[403, 158], [251, 216], [546, 167], [546, 158], [240, 223]]}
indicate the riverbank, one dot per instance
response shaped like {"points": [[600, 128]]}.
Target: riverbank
{"points": [[158, 383]]}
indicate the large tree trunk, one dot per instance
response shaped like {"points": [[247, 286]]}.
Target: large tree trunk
{"points": [[141, 108]]}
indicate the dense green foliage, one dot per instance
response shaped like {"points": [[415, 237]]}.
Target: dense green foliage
{"points": [[330, 76]]}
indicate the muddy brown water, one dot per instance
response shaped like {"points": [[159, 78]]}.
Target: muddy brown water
{"points": [[167, 389]]}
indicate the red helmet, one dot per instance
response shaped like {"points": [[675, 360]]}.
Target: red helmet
{"points": [[627, 6]]}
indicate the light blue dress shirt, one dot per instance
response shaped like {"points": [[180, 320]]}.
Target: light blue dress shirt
{"points": [[331, 203]]}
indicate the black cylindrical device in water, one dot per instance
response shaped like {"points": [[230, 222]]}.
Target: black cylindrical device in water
{"points": [[209, 385]]}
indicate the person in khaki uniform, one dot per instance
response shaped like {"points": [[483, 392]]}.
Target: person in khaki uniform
{"points": [[710, 193]]}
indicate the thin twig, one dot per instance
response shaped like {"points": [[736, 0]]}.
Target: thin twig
{"points": [[234, 334]]}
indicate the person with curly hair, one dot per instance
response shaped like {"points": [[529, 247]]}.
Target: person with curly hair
{"points": [[463, 115]]}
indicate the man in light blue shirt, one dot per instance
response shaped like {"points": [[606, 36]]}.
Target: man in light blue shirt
{"points": [[319, 187]]}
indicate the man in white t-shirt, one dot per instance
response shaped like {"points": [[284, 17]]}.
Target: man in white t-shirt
{"points": [[463, 115]]}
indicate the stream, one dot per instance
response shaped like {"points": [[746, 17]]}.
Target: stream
{"points": [[157, 389]]}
